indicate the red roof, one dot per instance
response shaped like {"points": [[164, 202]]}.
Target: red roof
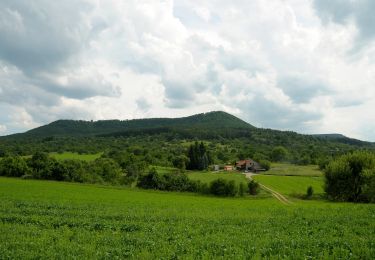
{"points": [[243, 162]]}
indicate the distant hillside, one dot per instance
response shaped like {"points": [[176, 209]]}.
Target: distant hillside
{"points": [[205, 121], [341, 139], [159, 140]]}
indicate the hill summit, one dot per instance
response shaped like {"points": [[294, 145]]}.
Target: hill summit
{"points": [[204, 121]]}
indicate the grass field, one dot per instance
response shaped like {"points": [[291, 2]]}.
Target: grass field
{"points": [[76, 156], [286, 169], [291, 185], [46, 220]]}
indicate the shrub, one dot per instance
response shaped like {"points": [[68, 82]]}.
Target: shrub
{"points": [[170, 182], [350, 177], [265, 164], [107, 170], [241, 189], [13, 167], [309, 192], [253, 187], [221, 187]]}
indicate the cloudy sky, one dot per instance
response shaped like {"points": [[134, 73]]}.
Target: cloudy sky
{"points": [[306, 66]]}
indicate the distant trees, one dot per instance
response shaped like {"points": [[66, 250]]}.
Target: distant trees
{"points": [[199, 157], [180, 162], [279, 153], [14, 167], [351, 177], [41, 166], [265, 164]]}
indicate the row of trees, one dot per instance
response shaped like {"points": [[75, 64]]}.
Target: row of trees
{"points": [[180, 182], [41, 166], [114, 168]]}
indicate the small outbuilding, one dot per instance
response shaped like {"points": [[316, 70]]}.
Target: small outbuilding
{"points": [[228, 168], [216, 167]]}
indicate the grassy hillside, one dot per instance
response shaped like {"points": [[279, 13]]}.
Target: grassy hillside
{"points": [[40, 219]]}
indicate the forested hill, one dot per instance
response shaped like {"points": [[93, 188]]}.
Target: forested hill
{"points": [[204, 121], [159, 140]]}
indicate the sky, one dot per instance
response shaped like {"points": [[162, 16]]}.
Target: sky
{"points": [[306, 66]]}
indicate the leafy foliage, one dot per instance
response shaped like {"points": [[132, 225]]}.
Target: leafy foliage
{"points": [[222, 187], [253, 187], [351, 177], [176, 181], [199, 158]]}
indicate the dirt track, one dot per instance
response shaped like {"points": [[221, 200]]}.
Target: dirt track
{"points": [[277, 195]]}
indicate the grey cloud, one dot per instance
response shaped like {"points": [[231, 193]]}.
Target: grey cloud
{"points": [[79, 87], [45, 33], [178, 94], [270, 114], [143, 104], [361, 12], [301, 88]]}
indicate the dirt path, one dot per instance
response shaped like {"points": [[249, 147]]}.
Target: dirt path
{"points": [[277, 195]]}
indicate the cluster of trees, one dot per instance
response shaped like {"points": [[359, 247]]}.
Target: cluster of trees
{"points": [[178, 181], [41, 166], [199, 157], [351, 177]]}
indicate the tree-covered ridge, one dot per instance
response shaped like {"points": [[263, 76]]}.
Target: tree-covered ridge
{"points": [[211, 120], [163, 141]]}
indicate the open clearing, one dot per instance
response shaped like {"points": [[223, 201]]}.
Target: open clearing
{"points": [[291, 185], [42, 219], [285, 169], [75, 156]]}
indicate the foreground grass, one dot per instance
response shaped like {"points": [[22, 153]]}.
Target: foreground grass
{"points": [[75, 156], [40, 219]]}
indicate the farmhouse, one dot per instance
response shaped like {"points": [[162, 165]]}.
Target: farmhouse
{"points": [[248, 165]]}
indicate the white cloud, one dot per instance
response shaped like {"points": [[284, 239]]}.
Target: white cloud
{"points": [[278, 64]]}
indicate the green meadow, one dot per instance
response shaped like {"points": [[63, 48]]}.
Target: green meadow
{"points": [[291, 185], [47, 220], [75, 156], [286, 169]]}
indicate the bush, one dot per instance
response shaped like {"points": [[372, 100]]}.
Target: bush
{"points": [[253, 187], [309, 192], [241, 189], [221, 187], [14, 167], [107, 170], [170, 182], [351, 177], [265, 164]]}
